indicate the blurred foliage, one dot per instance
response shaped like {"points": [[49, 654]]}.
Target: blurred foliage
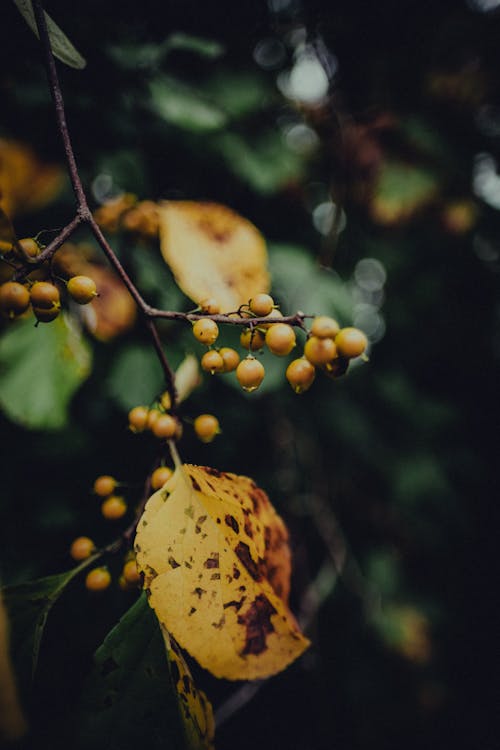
{"points": [[186, 106]]}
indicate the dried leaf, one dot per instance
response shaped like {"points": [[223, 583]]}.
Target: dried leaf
{"points": [[113, 311], [216, 565], [26, 183], [213, 252]]}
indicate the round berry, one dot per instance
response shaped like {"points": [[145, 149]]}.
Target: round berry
{"points": [[280, 339], [160, 476], [82, 289], [206, 331], [230, 357], [138, 418], [252, 338], [324, 327], [130, 572], [210, 306], [114, 508], [14, 298], [105, 485], [81, 548], [212, 362], [30, 247], [98, 579], [44, 295], [206, 427], [165, 426], [275, 313], [152, 417], [261, 305], [300, 374], [46, 316], [320, 351], [250, 373], [351, 342]]}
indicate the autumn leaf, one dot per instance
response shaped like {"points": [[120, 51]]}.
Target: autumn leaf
{"points": [[213, 252], [216, 566], [26, 183], [113, 311]]}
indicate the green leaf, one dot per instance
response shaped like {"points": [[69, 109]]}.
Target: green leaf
{"points": [[131, 697], [239, 93], [185, 106], [136, 377], [28, 606], [265, 162], [40, 370], [201, 46], [62, 48]]}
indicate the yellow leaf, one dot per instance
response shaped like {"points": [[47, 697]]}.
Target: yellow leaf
{"points": [[216, 566], [26, 183], [213, 252], [196, 708]]}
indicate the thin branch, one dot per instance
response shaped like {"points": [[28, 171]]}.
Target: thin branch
{"points": [[50, 250], [55, 90]]}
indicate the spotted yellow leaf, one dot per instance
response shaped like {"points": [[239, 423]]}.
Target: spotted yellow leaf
{"points": [[216, 565], [213, 252]]}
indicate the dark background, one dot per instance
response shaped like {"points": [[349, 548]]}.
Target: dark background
{"points": [[404, 450]]}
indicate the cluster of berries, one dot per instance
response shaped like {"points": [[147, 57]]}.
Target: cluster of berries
{"points": [[328, 347], [166, 426], [44, 296], [99, 579]]}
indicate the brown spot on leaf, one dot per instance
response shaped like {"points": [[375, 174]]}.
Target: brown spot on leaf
{"points": [[173, 563], [192, 611], [242, 551], [195, 484], [187, 565], [201, 520], [199, 592], [232, 523], [218, 625], [215, 577], [213, 561], [257, 621], [235, 604], [212, 472], [236, 572]]}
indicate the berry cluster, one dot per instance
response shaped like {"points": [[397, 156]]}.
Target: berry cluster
{"points": [[328, 347], [166, 426], [44, 296]]}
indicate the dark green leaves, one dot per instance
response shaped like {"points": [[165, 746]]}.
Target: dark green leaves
{"points": [[61, 46], [130, 697], [40, 370], [28, 605]]}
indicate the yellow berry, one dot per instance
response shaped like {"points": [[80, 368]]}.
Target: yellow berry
{"points": [[230, 357], [261, 305], [160, 476], [210, 306], [275, 313], [130, 572], [320, 351], [81, 548], [14, 298], [30, 246], [212, 362], [280, 339], [324, 327], [206, 427], [114, 508], [250, 373], [152, 417], [351, 342], [206, 331], [105, 485], [82, 289], [138, 418], [300, 373], [98, 579], [252, 338], [45, 296], [165, 426]]}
